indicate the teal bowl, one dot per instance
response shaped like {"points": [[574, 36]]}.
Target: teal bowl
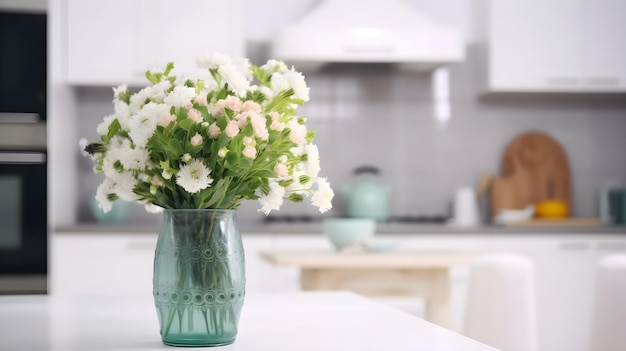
{"points": [[118, 213], [347, 232]]}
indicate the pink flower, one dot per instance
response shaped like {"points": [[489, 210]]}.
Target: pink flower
{"points": [[247, 141], [214, 131], [274, 115], [258, 124], [196, 139], [249, 152], [231, 129], [201, 100], [251, 106], [277, 126], [233, 103], [241, 119], [298, 134], [281, 170], [188, 106], [156, 180], [216, 110], [166, 119], [195, 115]]}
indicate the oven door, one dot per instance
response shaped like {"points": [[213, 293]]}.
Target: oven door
{"points": [[23, 222]]}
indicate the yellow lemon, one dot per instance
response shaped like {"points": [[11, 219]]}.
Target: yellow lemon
{"points": [[552, 209]]}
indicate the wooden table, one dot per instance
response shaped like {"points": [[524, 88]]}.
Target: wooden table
{"points": [[302, 321], [423, 274]]}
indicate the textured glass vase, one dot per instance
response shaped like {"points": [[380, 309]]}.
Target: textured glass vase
{"points": [[199, 277]]}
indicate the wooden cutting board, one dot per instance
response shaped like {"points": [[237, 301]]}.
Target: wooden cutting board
{"points": [[534, 168], [556, 222]]}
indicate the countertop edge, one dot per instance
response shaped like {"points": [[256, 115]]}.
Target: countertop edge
{"points": [[382, 229]]}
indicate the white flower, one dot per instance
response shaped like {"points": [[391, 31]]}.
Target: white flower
{"points": [[236, 81], [119, 90], [123, 186], [166, 174], [322, 198], [295, 80], [312, 165], [159, 91], [273, 200], [117, 148], [150, 208], [139, 99], [194, 176], [213, 60], [143, 125], [222, 152], [243, 65], [82, 143], [122, 113], [274, 65], [135, 159], [102, 195], [180, 96], [278, 82]]}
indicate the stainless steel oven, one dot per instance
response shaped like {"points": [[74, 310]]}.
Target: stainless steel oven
{"points": [[23, 208]]}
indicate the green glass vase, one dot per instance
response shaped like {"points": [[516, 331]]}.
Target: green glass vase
{"points": [[199, 277]]}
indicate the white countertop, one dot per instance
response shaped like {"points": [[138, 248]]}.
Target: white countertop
{"points": [[287, 321]]}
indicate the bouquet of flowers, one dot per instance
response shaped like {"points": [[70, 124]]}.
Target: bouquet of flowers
{"points": [[228, 134]]}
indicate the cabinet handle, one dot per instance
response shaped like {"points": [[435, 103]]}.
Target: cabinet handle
{"points": [[563, 81], [617, 246], [603, 81], [576, 246]]}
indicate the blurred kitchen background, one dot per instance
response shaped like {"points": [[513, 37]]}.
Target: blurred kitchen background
{"points": [[379, 115]]}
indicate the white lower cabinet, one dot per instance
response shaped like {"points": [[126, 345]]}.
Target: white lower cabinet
{"points": [[101, 264]]}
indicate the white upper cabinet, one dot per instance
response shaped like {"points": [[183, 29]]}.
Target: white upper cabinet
{"points": [[115, 41], [557, 45], [604, 44]]}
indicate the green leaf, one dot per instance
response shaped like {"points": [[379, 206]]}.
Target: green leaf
{"points": [[175, 146], [293, 197], [169, 68], [310, 135], [151, 77], [186, 124], [285, 182], [114, 128], [218, 194], [265, 173]]}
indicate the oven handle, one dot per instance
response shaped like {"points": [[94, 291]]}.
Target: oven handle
{"points": [[22, 158]]}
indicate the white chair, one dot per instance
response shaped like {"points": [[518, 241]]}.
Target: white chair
{"points": [[500, 307], [609, 309]]}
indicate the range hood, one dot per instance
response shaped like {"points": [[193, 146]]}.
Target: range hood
{"points": [[367, 31]]}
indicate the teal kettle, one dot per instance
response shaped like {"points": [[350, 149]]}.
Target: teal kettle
{"points": [[367, 196]]}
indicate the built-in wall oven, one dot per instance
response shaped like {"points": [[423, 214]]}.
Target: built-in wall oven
{"points": [[23, 208]]}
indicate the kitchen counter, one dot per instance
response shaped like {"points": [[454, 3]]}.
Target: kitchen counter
{"points": [[280, 321], [381, 228]]}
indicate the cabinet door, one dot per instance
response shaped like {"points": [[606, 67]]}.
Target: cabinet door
{"points": [[535, 45], [117, 41], [604, 45], [102, 42], [179, 30]]}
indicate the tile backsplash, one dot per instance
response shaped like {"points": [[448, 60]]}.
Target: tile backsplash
{"points": [[379, 116]]}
